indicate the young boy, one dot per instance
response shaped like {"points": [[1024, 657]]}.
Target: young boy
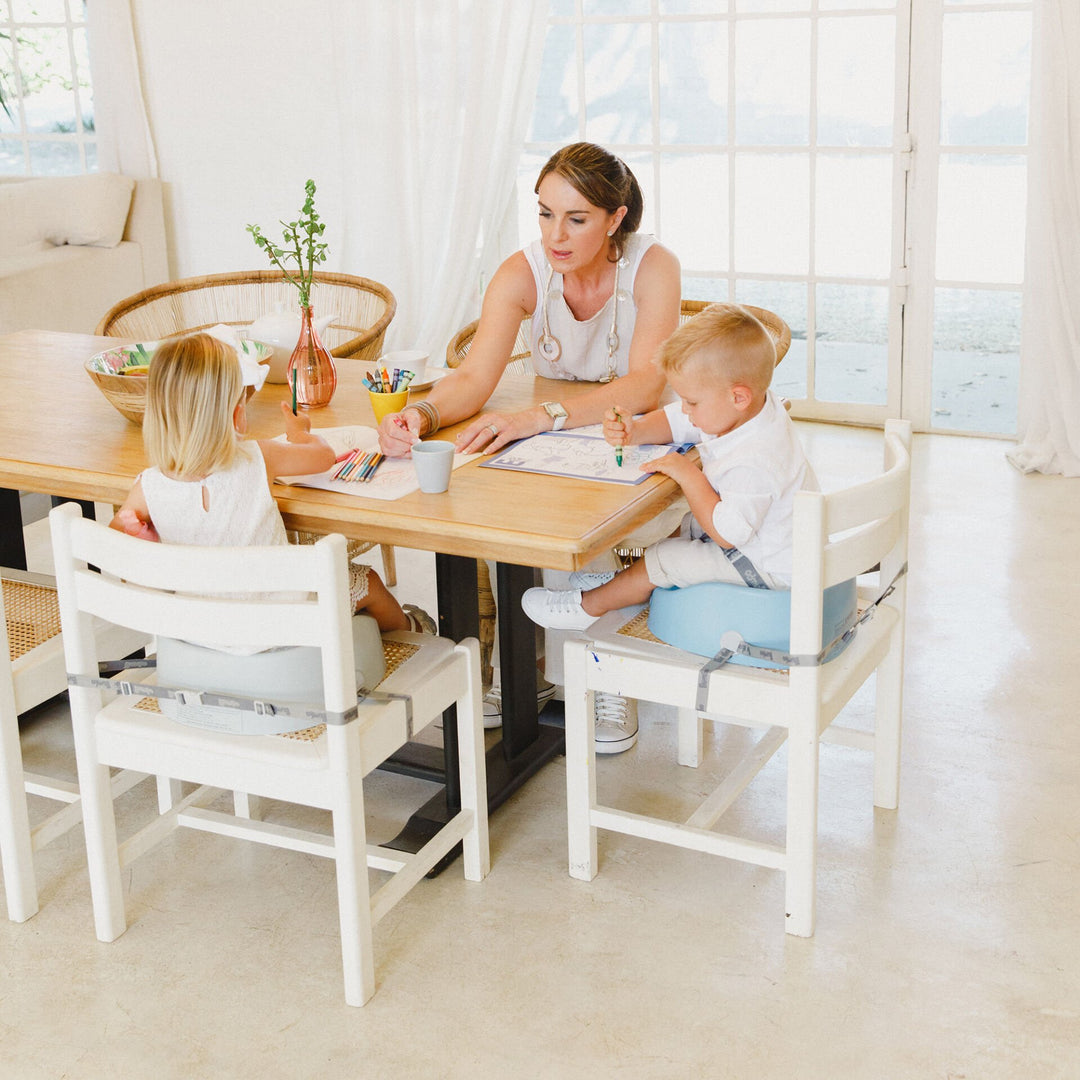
{"points": [[720, 363]]}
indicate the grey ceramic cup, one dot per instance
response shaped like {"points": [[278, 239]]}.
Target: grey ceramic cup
{"points": [[434, 461]]}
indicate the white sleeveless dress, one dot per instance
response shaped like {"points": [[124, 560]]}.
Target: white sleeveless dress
{"points": [[239, 510], [584, 349]]}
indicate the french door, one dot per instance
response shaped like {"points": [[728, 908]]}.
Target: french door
{"points": [[857, 166]]}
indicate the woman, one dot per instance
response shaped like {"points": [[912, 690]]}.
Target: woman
{"points": [[603, 299]]}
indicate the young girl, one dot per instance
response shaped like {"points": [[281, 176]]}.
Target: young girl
{"points": [[208, 486]]}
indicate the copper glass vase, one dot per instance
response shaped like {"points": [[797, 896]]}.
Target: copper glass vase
{"points": [[311, 373]]}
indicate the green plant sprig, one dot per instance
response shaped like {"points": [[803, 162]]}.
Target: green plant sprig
{"points": [[301, 249]]}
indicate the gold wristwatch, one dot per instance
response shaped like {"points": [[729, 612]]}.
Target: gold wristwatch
{"points": [[557, 413]]}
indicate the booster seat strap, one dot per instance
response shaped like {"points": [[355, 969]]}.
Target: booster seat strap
{"points": [[732, 643], [747, 570], [260, 707]]}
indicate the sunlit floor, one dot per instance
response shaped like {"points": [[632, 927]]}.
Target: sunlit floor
{"points": [[948, 932]]}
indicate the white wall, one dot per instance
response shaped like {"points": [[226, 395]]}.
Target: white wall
{"points": [[242, 111]]}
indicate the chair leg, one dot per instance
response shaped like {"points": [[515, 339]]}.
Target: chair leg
{"points": [[354, 894], [169, 793], [99, 823], [389, 562], [473, 768], [888, 711], [580, 763], [691, 744], [802, 812], [245, 806], [16, 849]]}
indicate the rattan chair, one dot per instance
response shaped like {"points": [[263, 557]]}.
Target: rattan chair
{"points": [[520, 363], [521, 354], [363, 310]]}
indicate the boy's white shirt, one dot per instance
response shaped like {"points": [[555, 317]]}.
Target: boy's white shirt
{"points": [[756, 470]]}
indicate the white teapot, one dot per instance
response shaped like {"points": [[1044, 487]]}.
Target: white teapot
{"points": [[280, 329]]}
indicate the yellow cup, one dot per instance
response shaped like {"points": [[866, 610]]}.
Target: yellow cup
{"points": [[384, 404]]}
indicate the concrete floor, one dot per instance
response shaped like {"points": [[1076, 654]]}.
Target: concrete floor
{"points": [[948, 934]]}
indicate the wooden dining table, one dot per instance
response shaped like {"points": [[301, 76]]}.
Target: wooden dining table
{"points": [[60, 436]]}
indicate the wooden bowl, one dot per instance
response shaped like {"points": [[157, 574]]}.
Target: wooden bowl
{"points": [[120, 373]]}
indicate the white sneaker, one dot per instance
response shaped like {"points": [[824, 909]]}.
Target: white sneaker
{"points": [[556, 609], [616, 722], [590, 579], [545, 691]]}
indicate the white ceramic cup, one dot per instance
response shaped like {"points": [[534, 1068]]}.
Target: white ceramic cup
{"points": [[414, 360], [434, 461]]}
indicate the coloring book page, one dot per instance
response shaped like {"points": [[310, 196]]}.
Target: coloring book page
{"points": [[582, 454], [393, 478]]}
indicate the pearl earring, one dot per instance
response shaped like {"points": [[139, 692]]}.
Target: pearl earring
{"points": [[612, 233]]}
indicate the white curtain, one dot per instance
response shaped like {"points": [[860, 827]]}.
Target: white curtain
{"points": [[434, 103], [123, 131], [1050, 346]]}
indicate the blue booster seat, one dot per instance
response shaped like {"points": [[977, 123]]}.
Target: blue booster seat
{"points": [[695, 618]]}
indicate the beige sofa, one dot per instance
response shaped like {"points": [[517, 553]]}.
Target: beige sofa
{"points": [[72, 246]]}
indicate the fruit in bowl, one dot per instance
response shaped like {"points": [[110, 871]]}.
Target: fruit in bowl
{"points": [[120, 373]]}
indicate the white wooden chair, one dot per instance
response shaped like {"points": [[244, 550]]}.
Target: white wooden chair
{"points": [[838, 536], [32, 671], [168, 590]]}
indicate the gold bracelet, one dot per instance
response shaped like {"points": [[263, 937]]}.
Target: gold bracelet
{"points": [[428, 412]]}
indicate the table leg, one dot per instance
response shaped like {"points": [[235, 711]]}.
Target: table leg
{"points": [[525, 746], [12, 545]]}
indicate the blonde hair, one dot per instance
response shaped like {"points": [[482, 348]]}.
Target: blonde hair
{"points": [[728, 342], [193, 387]]}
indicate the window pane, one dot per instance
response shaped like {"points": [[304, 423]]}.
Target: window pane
{"points": [[39, 11], [562, 7], [855, 5], [772, 5], [772, 213], [787, 299], [54, 159], [694, 7], [772, 82], [851, 344], [694, 209], [615, 7], [45, 64], [12, 162], [693, 82], [981, 215], [853, 215], [82, 70], [555, 114], [527, 217], [617, 103], [704, 288], [7, 86], [855, 81], [641, 165], [976, 360], [985, 68]]}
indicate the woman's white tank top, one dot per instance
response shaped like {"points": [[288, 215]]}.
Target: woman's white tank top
{"points": [[240, 510], [584, 349]]}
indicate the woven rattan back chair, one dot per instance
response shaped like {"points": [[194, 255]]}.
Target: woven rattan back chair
{"points": [[362, 308], [521, 354]]}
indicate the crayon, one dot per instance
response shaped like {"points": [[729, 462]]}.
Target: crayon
{"points": [[618, 449]]}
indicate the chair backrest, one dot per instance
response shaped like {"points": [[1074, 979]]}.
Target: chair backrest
{"points": [[363, 308], [521, 354], [249, 597], [845, 533]]}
